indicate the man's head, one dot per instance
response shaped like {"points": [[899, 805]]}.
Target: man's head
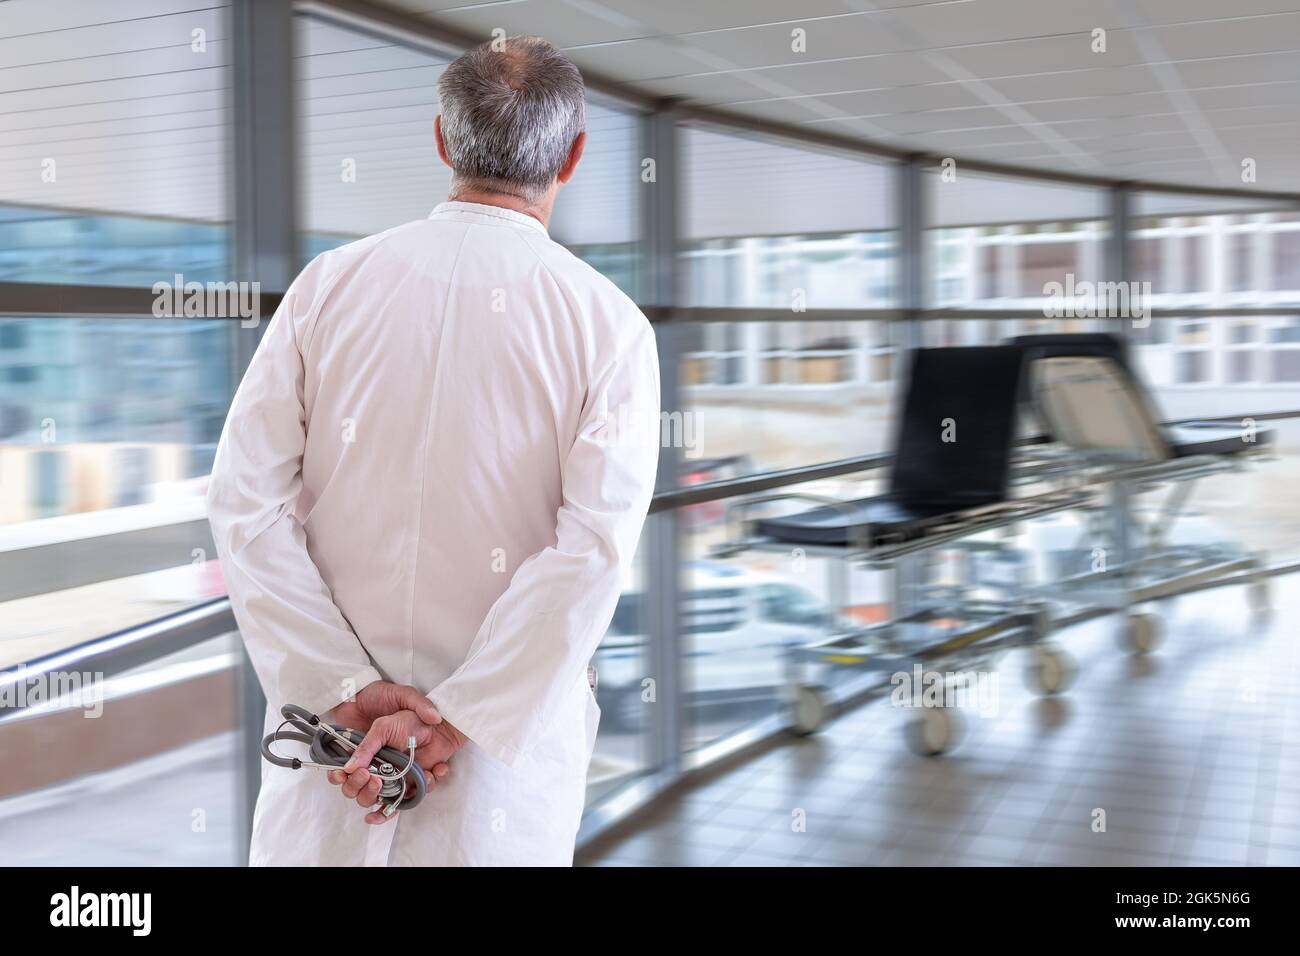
{"points": [[512, 119]]}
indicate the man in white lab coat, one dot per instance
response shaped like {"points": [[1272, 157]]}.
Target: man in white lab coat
{"points": [[427, 494]]}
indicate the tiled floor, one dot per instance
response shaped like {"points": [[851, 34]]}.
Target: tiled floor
{"points": [[1190, 752]]}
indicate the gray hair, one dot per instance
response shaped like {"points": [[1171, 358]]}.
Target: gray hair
{"points": [[511, 110]]}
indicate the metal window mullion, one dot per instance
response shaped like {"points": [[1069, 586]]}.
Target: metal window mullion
{"points": [[263, 246], [660, 216], [1119, 248], [910, 211]]}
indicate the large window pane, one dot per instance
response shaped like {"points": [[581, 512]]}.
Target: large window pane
{"points": [[598, 212], [368, 160], [780, 394], [103, 413], [768, 395], [107, 433], [626, 691], [112, 129], [1211, 252], [743, 616], [782, 226], [999, 242]]}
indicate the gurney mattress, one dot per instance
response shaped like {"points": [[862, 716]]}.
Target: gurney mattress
{"points": [[863, 522], [1215, 438]]}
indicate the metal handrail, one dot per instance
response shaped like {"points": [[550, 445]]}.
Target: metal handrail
{"points": [[730, 487], [122, 650]]}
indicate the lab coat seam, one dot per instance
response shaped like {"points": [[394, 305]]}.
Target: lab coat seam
{"points": [[424, 447], [313, 321], [573, 311]]}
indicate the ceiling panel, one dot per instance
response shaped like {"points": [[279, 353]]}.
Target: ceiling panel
{"points": [[1050, 54], [1230, 37], [1009, 78], [689, 18], [136, 120], [851, 38]]}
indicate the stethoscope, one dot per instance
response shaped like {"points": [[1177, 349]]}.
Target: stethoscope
{"points": [[330, 746]]}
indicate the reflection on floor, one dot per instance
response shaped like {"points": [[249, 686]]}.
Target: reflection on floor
{"points": [[1189, 753]]}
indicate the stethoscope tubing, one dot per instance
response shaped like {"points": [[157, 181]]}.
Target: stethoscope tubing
{"points": [[327, 751]]}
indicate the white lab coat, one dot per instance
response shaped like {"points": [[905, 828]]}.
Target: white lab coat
{"points": [[422, 479]]}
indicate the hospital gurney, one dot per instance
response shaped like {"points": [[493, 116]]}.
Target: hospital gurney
{"points": [[1094, 406], [948, 483]]}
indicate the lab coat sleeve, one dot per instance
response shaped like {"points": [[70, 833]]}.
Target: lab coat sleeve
{"points": [[532, 651], [302, 647]]}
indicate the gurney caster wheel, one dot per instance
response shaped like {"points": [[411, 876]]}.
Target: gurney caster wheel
{"points": [[1142, 632], [1259, 596], [810, 711], [1050, 671], [934, 731]]}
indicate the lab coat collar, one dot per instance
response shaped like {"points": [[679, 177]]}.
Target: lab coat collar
{"points": [[457, 209]]}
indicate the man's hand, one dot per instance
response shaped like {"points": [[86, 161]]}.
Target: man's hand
{"points": [[435, 744], [379, 699], [382, 699]]}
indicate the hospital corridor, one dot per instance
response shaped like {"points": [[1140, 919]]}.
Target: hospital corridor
{"points": [[743, 433]]}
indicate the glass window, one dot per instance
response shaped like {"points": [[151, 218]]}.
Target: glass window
{"points": [[1230, 366], [625, 691], [107, 426], [112, 144], [54, 246], [1010, 242], [1241, 356], [769, 395], [1241, 367], [1194, 333], [1286, 260], [1284, 330], [1242, 244], [145, 736], [743, 617], [1242, 332], [598, 213], [1195, 276], [136, 383], [1193, 367], [1285, 365], [368, 160], [1148, 262], [1045, 262], [1217, 251], [820, 238]]}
